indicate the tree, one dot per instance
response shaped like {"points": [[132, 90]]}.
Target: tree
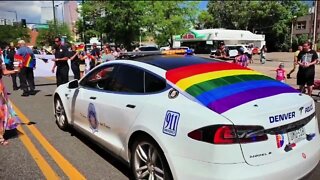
{"points": [[46, 36], [124, 22], [163, 19], [272, 18], [13, 34]]}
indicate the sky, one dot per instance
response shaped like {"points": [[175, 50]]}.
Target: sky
{"points": [[29, 10], [33, 10]]}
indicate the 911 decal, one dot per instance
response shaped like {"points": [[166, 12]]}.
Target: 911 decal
{"points": [[170, 124]]}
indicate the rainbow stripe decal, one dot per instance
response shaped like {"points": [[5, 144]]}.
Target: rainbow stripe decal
{"points": [[28, 62], [223, 86]]}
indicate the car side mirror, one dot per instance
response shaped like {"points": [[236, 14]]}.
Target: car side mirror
{"points": [[73, 84]]}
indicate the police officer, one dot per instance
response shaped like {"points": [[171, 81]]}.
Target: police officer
{"points": [[61, 62]]}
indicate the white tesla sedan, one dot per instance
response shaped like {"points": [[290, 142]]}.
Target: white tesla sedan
{"points": [[186, 117]]}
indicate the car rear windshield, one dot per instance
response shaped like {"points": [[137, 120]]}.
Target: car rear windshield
{"points": [[172, 62]]}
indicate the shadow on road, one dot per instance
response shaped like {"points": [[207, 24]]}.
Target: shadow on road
{"points": [[47, 84], [114, 160]]}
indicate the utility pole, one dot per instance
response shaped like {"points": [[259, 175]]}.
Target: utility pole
{"points": [[84, 29], [315, 25], [54, 14]]}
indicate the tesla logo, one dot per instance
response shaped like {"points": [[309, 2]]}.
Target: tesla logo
{"points": [[304, 156], [170, 124], [300, 109]]}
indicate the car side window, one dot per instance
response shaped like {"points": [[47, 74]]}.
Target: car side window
{"points": [[127, 79], [154, 83], [100, 78]]}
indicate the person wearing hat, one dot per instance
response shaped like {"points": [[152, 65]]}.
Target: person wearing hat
{"points": [[26, 71]]}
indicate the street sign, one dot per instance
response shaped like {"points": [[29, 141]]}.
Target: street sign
{"points": [[42, 26]]}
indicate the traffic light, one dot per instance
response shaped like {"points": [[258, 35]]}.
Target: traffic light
{"points": [[23, 23]]}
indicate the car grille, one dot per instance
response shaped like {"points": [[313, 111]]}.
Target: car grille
{"points": [[290, 127]]}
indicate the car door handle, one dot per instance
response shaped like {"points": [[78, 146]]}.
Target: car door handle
{"points": [[92, 97], [131, 106]]}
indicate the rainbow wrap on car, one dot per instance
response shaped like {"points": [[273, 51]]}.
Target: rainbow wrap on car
{"points": [[223, 86]]}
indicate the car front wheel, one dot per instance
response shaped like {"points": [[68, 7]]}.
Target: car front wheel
{"points": [[60, 114], [148, 160]]}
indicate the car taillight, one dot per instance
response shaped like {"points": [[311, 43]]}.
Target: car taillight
{"points": [[229, 134]]}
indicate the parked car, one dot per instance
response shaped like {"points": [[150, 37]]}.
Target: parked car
{"points": [[187, 117], [148, 48], [233, 50]]}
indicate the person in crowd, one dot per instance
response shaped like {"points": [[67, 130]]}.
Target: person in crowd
{"points": [[10, 66], [107, 54], [295, 61], [249, 53], [95, 53], [8, 118], [82, 63], [263, 54], [75, 61], [307, 59], [281, 73], [61, 62], [5, 53], [242, 58], [27, 66], [35, 50], [222, 52]]}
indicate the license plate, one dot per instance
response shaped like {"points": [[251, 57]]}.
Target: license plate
{"points": [[297, 135]]}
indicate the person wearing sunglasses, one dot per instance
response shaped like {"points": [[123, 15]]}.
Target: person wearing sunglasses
{"points": [[61, 62]]}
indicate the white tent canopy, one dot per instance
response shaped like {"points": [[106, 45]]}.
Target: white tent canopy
{"points": [[237, 36]]}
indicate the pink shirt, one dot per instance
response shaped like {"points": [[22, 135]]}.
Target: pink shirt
{"points": [[280, 74]]}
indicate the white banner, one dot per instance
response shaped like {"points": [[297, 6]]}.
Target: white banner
{"points": [[44, 66]]}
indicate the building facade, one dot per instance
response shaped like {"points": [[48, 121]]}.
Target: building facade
{"points": [[304, 25]]}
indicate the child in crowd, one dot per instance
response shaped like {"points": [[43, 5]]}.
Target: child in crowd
{"points": [[280, 73], [242, 59]]}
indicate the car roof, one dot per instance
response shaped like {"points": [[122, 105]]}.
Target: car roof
{"points": [[173, 61]]}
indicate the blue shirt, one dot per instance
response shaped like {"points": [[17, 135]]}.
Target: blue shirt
{"points": [[24, 51]]}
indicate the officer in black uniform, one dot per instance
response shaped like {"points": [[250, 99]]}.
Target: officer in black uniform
{"points": [[61, 62]]}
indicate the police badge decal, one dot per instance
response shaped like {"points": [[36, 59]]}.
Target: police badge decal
{"points": [[92, 118]]}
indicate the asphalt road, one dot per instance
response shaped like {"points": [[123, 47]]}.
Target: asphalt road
{"points": [[40, 150]]}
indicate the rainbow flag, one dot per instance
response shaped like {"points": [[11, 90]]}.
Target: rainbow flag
{"points": [[80, 47], [18, 58], [223, 86], [28, 61]]}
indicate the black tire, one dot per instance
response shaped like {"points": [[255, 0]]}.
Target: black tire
{"points": [[60, 115], [152, 166]]}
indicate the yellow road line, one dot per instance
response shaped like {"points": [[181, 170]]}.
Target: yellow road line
{"points": [[64, 164], [46, 169]]}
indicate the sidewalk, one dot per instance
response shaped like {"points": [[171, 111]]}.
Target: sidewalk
{"points": [[273, 60]]}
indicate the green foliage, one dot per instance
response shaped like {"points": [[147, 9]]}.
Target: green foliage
{"points": [[296, 41], [13, 34], [46, 36], [164, 19], [272, 18], [124, 21]]}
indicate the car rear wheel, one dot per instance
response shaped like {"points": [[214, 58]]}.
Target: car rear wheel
{"points": [[60, 114], [148, 160]]}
